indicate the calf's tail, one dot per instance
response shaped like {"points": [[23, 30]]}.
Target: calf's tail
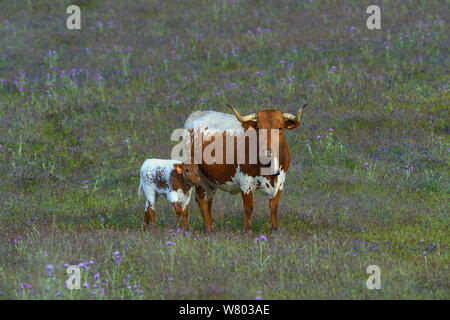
{"points": [[140, 190]]}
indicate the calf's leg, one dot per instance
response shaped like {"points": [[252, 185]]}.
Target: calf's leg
{"points": [[185, 219], [178, 211], [149, 216]]}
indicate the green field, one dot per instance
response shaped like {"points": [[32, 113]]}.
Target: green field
{"points": [[80, 110]]}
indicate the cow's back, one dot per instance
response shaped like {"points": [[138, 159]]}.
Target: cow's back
{"points": [[212, 122]]}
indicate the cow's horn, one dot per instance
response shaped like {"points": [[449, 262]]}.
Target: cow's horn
{"points": [[296, 118], [241, 118]]}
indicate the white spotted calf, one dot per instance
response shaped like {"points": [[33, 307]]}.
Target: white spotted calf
{"points": [[172, 179]]}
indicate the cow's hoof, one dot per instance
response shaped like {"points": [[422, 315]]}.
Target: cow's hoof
{"points": [[273, 229]]}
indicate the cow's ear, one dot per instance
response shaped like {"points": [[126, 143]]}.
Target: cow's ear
{"points": [[177, 167], [249, 125], [289, 124]]}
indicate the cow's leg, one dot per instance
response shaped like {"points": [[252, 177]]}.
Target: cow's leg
{"points": [[247, 200], [210, 201], [273, 205], [200, 198]]}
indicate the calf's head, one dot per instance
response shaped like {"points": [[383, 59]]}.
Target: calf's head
{"points": [[189, 173]]}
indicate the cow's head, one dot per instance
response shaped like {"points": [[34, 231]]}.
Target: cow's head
{"points": [[270, 121]]}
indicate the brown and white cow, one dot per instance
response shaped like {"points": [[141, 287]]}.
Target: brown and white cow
{"points": [[227, 171]]}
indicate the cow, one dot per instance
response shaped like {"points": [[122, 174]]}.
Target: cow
{"points": [[225, 172], [171, 178]]}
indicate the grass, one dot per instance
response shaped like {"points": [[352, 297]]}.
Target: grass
{"points": [[81, 110]]}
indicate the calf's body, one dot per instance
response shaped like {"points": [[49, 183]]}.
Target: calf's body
{"points": [[172, 179]]}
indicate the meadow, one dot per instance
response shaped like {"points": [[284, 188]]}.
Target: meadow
{"points": [[80, 110]]}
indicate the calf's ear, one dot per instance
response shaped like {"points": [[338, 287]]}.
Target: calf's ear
{"points": [[177, 167]]}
